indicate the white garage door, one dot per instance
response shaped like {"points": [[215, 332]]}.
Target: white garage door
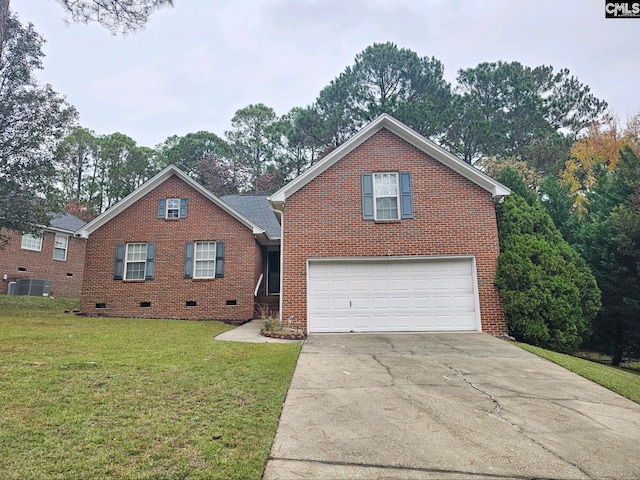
{"points": [[392, 295]]}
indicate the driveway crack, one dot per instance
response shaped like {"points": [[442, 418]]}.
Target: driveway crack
{"points": [[497, 406], [497, 413], [393, 378]]}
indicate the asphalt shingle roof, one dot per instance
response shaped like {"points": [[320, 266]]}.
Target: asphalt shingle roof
{"points": [[66, 221], [257, 209]]}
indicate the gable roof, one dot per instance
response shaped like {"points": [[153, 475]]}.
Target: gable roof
{"points": [[66, 222], [257, 209], [151, 184], [481, 179]]}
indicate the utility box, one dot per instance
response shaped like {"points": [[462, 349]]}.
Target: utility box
{"points": [[33, 287]]}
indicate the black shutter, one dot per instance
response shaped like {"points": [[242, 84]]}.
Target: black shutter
{"points": [[219, 259], [151, 261], [161, 208], [188, 260], [367, 196], [183, 208], [406, 197], [119, 265]]}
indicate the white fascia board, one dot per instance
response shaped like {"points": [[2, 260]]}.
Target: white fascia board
{"points": [[148, 187], [496, 189]]}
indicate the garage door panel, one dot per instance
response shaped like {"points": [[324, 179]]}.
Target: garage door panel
{"points": [[462, 283], [420, 295], [361, 322], [463, 302], [379, 285], [360, 285], [378, 303], [341, 304], [340, 286], [421, 303], [402, 322], [402, 303], [360, 304]]}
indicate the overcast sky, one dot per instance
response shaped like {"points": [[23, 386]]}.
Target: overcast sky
{"points": [[194, 65]]}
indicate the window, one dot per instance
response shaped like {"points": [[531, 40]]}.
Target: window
{"points": [[173, 208], [31, 242], [60, 247], [385, 193], [135, 261], [204, 260], [387, 196]]}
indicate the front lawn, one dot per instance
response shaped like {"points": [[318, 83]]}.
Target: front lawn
{"points": [[128, 398], [623, 382]]}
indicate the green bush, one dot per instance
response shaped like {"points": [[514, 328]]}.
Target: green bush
{"points": [[549, 295]]}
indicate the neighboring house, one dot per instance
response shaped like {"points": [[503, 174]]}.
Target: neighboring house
{"points": [[389, 232], [172, 249], [56, 255]]}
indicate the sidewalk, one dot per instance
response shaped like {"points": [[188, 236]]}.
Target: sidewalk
{"points": [[250, 332]]}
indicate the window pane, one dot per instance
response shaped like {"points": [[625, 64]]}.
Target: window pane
{"points": [[173, 207], [205, 250], [205, 269], [385, 184], [61, 242], [136, 261], [31, 242], [135, 271], [136, 252], [387, 208]]}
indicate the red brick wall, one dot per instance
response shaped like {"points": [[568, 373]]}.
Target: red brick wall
{"points": [[168, 292], [66, 276], [452, 216]]}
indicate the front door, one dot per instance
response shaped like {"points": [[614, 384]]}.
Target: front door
{"points": [[273, 272]]}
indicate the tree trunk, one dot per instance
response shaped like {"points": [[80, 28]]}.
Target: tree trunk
{"points": [[4, 13]]}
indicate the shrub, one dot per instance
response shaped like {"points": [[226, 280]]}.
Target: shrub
{"points": [[549, 295]]}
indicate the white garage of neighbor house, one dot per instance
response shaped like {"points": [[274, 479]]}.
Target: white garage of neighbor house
{"points": [[384, 295]]}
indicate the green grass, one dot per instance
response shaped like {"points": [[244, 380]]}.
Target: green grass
{"points": [[129, 398], [623, 382]]}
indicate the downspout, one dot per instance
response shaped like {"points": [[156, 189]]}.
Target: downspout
{"points": [[280, 213]]}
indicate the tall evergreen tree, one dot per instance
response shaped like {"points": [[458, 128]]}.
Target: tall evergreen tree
{"points": [[511, 110], [610, 242]]}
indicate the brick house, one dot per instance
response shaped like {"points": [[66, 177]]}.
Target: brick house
{"points": [[389, 232], [172, 249], [56, 255]]}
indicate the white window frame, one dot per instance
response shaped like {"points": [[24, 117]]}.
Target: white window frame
{"points": [[135, 261], [377, 186], [210, 260], [58, 245], [174, 210], [31, 242]]}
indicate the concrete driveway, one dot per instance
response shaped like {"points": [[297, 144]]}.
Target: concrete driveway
{"points": [[454, 406]]}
